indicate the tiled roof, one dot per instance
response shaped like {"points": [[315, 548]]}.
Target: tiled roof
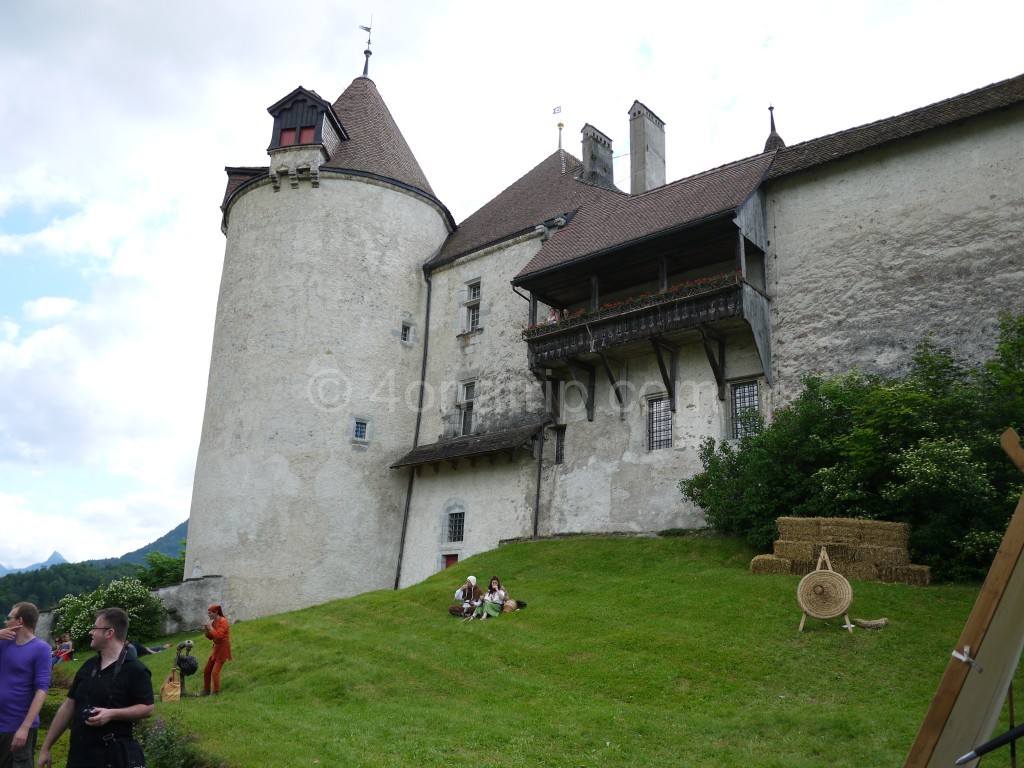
{"points": [[612, 221], [237, 177], [837, 145], [549, 190], [469, 446], [375, 144]]}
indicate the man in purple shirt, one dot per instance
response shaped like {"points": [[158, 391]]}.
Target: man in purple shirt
{"points": [[24, 680]]}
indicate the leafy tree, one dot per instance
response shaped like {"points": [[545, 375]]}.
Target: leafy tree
{"points": [[922, 450], [46, 586], [75, 613], [162, 570]]}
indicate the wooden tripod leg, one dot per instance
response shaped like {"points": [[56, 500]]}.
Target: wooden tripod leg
{"points": [[802, 620]]}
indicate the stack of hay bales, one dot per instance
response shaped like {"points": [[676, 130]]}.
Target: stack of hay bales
{"points": [[858, 549]]}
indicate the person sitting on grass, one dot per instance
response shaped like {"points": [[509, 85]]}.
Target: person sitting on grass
{"points": [[493, 601], [63, 650], [468, 597]]}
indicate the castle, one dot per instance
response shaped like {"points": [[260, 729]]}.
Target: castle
{"points": [[391, 392]]}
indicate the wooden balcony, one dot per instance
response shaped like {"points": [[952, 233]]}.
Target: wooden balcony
{"points": [[669, 318]]}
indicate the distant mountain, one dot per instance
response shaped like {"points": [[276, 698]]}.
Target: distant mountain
{"points": [[53, 559], [46, 583], [169, 544]]}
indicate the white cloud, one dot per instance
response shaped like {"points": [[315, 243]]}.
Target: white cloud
{"points": [[48, 308]]}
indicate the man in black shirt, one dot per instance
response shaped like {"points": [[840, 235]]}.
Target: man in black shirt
{"points": [[111, 691]]}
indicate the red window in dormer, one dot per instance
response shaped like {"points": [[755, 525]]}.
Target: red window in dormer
{"points": [[287, 137], [306, 134]]}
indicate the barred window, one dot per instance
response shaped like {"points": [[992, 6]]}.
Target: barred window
{"points": [[359, 433], [406, 332], [456, 526], [659, 424], [744, 400]]}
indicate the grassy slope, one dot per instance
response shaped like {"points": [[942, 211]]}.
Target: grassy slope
{"points": [[632, 652]]}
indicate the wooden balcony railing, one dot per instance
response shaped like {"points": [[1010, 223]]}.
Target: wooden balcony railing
{"points": [[652, 316]]}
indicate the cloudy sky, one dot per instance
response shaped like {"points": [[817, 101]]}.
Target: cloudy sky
{"points": [[117, 118]]}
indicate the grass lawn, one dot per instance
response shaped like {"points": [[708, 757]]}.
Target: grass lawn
{"points": [[632, 652]]}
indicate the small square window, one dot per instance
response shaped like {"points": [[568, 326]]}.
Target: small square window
{"points": [[287, 137], [359, 433], [307, 134], [659, 423], [406, 332]]}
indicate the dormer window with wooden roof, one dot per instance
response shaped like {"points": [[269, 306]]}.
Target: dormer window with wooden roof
{"points": [[302, 117]]}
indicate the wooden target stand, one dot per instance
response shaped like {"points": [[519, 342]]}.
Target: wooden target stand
{"points": [[824, 594], [970, 696]]}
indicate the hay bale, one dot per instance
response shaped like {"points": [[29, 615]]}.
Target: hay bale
{"points": [[802, 567], [841, 530], [769, 564], [918, 575], [853, 570], [836, 551], [888, 557], [798, 528], [796, 550], [885, 534]]}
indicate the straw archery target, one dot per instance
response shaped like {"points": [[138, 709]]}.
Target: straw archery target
{"points": [[824, 594]]}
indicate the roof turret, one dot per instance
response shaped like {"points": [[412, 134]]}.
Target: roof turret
{"points": [[375, 144]]}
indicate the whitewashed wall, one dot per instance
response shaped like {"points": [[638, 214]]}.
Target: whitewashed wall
{"points": [[287, 505], [498, 498], [869, 254], [610, 481]]}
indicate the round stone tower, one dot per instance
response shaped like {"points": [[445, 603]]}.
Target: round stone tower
{"points": [[316, 359]]}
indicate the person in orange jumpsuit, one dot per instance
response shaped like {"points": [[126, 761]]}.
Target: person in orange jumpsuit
{"points": [[219, 631]]}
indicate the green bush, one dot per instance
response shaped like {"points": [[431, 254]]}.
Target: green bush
{"points": [[167, 744], [922, 449], [60, 678], [75, 613]]}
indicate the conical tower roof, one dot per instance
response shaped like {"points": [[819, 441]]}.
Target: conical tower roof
{"points": [[375, 144]]}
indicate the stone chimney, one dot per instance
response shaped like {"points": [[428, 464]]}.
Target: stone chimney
{"points": [[597, 157], [646, 149]]}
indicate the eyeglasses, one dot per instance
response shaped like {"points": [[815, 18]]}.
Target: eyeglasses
{"points": [[12, 618], [101, 629]]}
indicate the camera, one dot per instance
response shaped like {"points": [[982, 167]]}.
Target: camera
{"points": [[87, 713]]}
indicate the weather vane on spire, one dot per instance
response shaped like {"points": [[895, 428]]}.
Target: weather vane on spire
{"points": [[368, 53]]}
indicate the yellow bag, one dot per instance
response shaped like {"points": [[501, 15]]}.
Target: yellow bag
{"points": [[510, 605], [171, 689]]}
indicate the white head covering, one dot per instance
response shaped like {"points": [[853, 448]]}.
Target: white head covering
{"points": [[472, 580]]}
